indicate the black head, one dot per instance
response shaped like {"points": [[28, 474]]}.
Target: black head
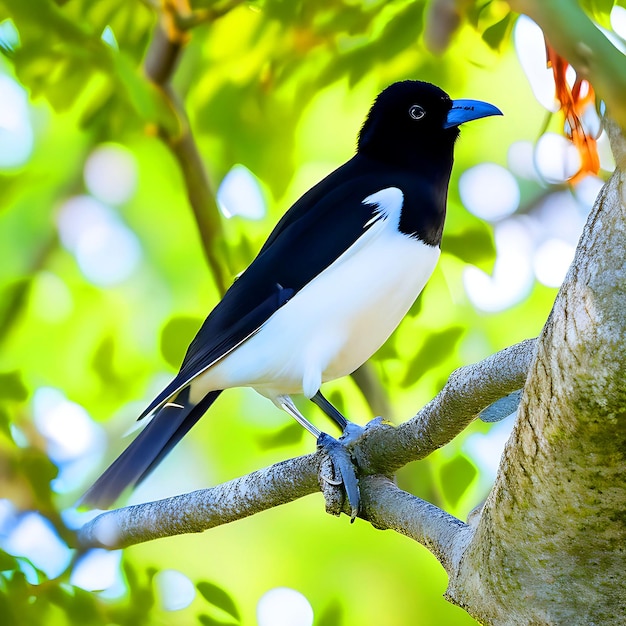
{"points": [[413, 121], [405, 119]]}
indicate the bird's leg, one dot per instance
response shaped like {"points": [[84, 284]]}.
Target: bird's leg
{"points": [[336, 450], [350, 431], [287, 405], [330, 410]]}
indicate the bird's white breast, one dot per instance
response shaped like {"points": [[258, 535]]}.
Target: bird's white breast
{"points": [[337, 321]]}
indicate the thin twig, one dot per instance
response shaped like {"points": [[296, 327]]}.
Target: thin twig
{"points": [[202, 16], [161, 61]]}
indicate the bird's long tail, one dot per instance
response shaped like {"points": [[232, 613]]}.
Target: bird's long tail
{"points": [[169, 425]]}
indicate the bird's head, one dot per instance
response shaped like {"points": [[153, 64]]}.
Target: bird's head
{"points": [[413, 120]]}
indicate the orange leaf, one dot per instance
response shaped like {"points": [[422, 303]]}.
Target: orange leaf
{"points": [[574, 100]]}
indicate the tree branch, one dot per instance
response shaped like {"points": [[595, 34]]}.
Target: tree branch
{"points": [[202, 16], [388, 507], [198, 511], [553, 526], [463, 397], [469, 390], [584, 46], [161, 60]]}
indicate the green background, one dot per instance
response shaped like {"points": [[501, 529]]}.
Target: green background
{"points": [[281, 87]]}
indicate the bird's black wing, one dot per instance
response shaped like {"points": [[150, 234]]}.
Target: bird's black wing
{"points": [[313, 233]]}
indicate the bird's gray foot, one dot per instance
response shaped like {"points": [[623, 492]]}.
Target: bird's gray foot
{"points": [[339, 470]]}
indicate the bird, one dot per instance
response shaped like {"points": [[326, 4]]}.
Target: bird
{"points": [[330, 284]]}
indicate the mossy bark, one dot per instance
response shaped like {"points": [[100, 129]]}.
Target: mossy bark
{"points": [[550, 547]]}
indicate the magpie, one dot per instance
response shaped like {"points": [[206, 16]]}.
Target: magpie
{"points": [[331, 283]]}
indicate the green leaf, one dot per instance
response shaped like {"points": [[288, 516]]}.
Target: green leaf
{"points": [[218, 597], [332, 615], [207, 620], [286, 436], [12, 299], [176, 336], [402, 31], [142, 596], [83, 608], [39, 470], [12, 387], [5, 424], [47, 16], [143, 96], [495, 35], [474, 245], [102, 361], [7, 562], [456, 476], [7, 607], [435, 350], [600, 10]]}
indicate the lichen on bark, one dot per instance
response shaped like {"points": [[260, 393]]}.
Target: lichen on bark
{"points": [[550, 545]]}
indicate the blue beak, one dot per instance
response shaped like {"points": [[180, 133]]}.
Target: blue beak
{"points": [[467, 110]]}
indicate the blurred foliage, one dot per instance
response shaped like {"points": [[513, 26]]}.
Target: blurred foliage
{"points": [[280, 86]]}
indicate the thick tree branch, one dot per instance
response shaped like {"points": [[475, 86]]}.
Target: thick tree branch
{"points": [[465, 395], [552, 530]]}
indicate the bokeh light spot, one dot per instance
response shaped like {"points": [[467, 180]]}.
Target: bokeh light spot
{"points": [[51, 299], [111, 173], [99, 570], [35, 538], [531, 52], [559, 215], [175, 589], [551, 261], [106, 250], [109, 38], [16, 133], [556, 158], [485, 449], [521, 160], [67, 427], [489, 191], [282, 606], [75, 442], [8, 516], [587, 190], [9, 35], [240, 194], [618, 20], [607, 161], [512, 273]]}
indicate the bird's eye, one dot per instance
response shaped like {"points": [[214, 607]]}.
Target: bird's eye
{"points": [[416, 112]]}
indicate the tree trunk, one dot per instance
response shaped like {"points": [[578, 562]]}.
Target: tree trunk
{"points": [[550, 546]]}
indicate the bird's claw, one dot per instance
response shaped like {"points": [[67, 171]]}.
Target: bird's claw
{"points": [[331, 481], [341, 467], [351, 433]]}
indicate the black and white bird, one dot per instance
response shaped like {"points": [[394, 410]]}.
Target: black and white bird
{"points": [[329, 286]]}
